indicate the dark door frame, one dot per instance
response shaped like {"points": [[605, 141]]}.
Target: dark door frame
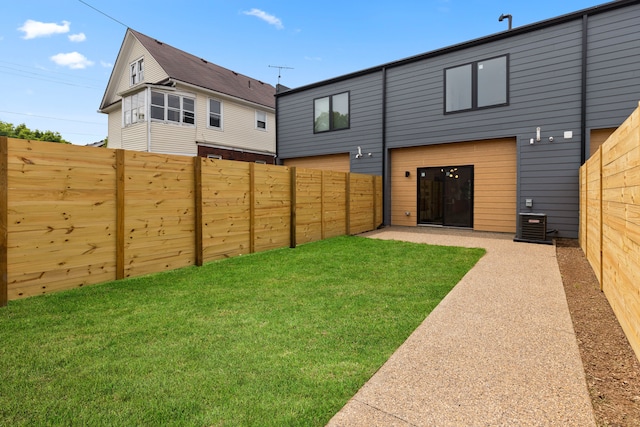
{"points": [[446, 173]]}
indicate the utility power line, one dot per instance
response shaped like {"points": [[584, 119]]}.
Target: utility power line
{"points": [[101, 12], [52, 118], [21, 73]]}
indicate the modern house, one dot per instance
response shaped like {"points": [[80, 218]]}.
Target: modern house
{"points": [[480, 134], [163, 100]]}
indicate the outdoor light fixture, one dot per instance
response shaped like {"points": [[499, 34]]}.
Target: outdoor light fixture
{"points": [[407, 174]]}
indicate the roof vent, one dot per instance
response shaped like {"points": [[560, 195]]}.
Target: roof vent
{"points": [[204, 60], [234, 73], [158, 41], [506, 16]]}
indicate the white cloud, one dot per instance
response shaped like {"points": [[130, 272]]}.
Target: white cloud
{"points": [[80, 37], [33, 29], [73, 60], [106, 64], [270, 19]]}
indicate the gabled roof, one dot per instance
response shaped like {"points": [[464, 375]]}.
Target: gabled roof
{"points": [[184, 67]]}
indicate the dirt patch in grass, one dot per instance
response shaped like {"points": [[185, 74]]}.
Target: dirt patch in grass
{"points": [[611, 367]]}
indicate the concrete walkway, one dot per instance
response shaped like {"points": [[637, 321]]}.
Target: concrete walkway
{"points": [[499, 350]]}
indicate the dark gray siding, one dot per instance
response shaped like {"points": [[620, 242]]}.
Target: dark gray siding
{"points": [[545, 90], [613, 64], [545, 70], [295, 124]]}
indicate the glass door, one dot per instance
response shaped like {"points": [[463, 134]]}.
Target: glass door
{"points": [[445, 196]]}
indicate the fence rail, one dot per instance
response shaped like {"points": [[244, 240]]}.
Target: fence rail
{"points": [[73, 216], [610, 222]]}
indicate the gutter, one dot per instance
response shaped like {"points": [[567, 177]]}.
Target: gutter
{"points": [[386, 180]]}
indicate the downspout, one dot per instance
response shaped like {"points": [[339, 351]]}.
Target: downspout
{"points": [[386, 179], [276, 160], [583, 106]]}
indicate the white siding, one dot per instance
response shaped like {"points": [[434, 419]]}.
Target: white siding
{"points": [[238, 125], [173, 139], [115, 129], [152, 70], [134, 137], [239, 118]]}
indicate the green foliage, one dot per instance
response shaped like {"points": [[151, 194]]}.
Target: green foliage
{"points": [[277, 338], [23, 132]]}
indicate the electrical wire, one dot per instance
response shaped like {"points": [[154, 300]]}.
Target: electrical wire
{"points": [[52, 118], [21, 74], [101, 12]]}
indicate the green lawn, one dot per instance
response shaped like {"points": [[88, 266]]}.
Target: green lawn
{"points": [[277, 338]]}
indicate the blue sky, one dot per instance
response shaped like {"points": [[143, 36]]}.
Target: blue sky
{"points": [[56, 56]]}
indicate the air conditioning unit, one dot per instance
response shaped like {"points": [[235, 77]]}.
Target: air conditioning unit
{"points": [[532, 228]]}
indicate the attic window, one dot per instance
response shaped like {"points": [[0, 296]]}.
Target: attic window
{"points": [[137, 71]]}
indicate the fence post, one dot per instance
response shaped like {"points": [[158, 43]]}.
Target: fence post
{"points": [[4, 205], [197, 180], [252, 207], [375, 201], [120, 212], [586, 208], [347, 216], [600, 220], [293, 192], [322, 190]]}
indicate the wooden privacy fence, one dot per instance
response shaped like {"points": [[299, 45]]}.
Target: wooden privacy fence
{"points": [[72, 216], [610, 222]]}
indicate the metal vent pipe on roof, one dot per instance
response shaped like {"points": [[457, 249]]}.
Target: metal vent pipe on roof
{"points": [[508, 16]]}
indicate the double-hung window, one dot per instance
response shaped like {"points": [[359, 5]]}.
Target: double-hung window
{"points": [[215, 113], [172, 108], [137, 72], [261, 120], [477, 85], [133, 109], [331, 113]]}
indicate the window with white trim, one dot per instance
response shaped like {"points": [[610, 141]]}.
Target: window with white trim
{"points": [[261, 120], [133, 108], [215, 113], [168, 107], [136, 72]]}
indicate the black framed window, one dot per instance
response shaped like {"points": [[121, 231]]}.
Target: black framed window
{"points": [[331, 113], [480, 84]]}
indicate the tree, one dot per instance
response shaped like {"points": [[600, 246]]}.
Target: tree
{"points": [[23, 132]]}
